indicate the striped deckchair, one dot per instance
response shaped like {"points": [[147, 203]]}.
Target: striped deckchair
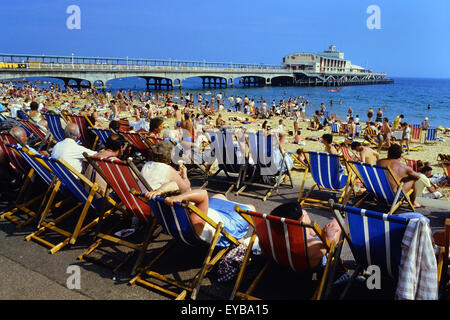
{"points": [[75, 184], [176, 221], [21, 205], [124, 124], [14, 160], [430, 135], [373, 237], [54, 125], [376, 180], [101, 135], [83, 123], [284, 242], [32, 128], [121, 177], [443, 158], [416, 133], [22, 115], [297, 163], [224, 151], [334, 128], [412, 163], [446, 181], [347, 154], [327, 174], [263, 169], [136, 141]]}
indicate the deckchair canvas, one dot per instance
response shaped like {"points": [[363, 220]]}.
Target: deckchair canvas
{"points": [[102, 135], [83, 123], [55, 127]]}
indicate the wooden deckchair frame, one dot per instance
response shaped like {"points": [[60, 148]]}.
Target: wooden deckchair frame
{"points": [[323, 286], [101, 236], [306, 200], [397, 200], [78, 230], [194, 284]]}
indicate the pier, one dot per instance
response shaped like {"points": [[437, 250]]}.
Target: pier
{"points": [[169, 74]]}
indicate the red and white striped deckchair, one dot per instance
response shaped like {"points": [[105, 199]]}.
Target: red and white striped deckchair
{"points": [[122, 177], [138, 142], [347, 154], [83, 124], [33, 128], [413, 164], [284, 242], [124, 125], [416, 133], [15, 161]]}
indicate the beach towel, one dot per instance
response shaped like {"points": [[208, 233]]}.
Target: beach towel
{"points": [[418, 266]]}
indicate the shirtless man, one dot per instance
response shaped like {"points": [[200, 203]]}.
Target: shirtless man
{"points": [[366, 154], [385, 134], [188, 128], [327, 140], [177, 116], [401, 171]]}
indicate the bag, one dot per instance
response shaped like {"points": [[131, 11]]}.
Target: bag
{"points": [[230, 264]]}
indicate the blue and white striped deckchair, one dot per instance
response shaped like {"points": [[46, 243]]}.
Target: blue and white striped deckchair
{"points": [[175, 221], [102, 135], [328, 174], [54, 125], [376, 180], [374, 238], [334, 128], [75, 183], [431, 135], [224, 150], [266, 165], [22, 115]]}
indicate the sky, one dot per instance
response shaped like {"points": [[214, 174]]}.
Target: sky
{"points": [[413, 39]]}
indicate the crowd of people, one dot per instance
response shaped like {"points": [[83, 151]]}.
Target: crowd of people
{"points": [[192, 118]]}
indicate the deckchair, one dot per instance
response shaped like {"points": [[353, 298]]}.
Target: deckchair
{"points": [[33, 129], [430, 135], [297, 163], [15, 161], [347, 154], [124, 125], [83, 123], [267, 171], [54, 125], [412, 163], [443, 259], [284, 242], [371, 136], [416, 133], [373, 237], [22, 115], [21, 205], [443, 158], [334, 128], [75, 183], [102, 135], [136, 141], [327, 174], [376, 180], [446, 181], [225, 152], [176, 222], [122, 177]]}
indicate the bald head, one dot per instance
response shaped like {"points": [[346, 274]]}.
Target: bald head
{"points": [[72, 131], [19, 134]]}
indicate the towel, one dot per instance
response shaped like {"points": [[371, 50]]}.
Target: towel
{"points": [[418, 266]]}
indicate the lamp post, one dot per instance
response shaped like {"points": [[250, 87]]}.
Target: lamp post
{"points": [[72, 61]]}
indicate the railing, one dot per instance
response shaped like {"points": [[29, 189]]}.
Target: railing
{"points": [[72, 60]]}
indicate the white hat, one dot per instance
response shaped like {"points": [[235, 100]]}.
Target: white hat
{"points": [[426, 118]]}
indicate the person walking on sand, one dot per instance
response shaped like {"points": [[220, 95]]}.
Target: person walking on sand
{"points": [[406, 135], [369, 114]]}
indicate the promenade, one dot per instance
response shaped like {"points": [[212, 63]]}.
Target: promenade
{"points": [[29, 272]]}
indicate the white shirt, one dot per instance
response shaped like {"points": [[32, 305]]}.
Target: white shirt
{"points": [[156, 174], [71, 152]]}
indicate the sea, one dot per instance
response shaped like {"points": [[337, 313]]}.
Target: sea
{"points": [[415, 98]]}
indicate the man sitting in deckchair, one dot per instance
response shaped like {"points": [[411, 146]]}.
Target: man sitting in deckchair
{"points": [[366, 154], [402, 172]]}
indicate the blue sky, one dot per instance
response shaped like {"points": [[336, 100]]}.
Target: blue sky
{"points": [[413, 40]]}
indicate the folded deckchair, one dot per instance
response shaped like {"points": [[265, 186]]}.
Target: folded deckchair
{"points": [[76, 184], [176, 222], [373, 237], [265, 166], [284, 242], [121, 177], [376, 180], [328, 174]]}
